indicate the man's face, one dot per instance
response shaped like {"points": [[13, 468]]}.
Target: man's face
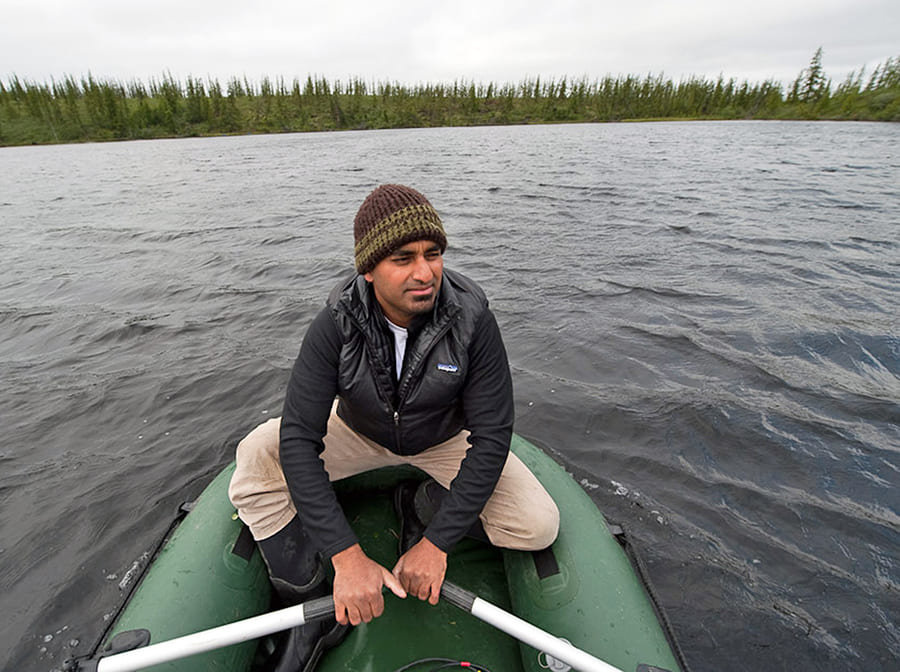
{"points": [[407, 281]]}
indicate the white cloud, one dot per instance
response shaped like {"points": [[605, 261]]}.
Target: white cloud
{"points": [[475, 40]]}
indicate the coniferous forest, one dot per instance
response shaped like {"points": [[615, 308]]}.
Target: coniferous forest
{"points": [[91, 109]]}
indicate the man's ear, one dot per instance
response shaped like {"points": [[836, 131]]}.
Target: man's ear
{"points": [[368, 277]]}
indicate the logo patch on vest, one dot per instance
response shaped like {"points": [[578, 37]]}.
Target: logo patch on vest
{"points": [[448, 368]]}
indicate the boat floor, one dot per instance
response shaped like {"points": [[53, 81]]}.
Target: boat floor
{"points": [[410, 629]]}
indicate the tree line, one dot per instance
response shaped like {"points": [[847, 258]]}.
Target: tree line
{"points": [[90, 109]]}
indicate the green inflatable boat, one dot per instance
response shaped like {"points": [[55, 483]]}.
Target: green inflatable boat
{"points": [[580, 601]]}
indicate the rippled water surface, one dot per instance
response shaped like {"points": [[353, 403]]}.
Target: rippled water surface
{"points": [[702, 321]]}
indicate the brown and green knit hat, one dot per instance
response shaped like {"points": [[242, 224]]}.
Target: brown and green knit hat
{"points": [[390, 217]]}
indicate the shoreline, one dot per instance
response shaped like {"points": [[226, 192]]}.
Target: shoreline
{"points": [[91, 110], [238, 134]]}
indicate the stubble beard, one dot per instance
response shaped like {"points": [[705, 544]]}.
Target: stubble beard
{"points": [[422, 304]]}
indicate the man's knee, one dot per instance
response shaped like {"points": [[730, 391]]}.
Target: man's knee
{"points": [[545, 527], [257, 488], [532, 528]]}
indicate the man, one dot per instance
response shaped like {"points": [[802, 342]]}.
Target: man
{"points": [[415, 360]]}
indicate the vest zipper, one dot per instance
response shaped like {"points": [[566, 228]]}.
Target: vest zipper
{"points": [[404, 382]]}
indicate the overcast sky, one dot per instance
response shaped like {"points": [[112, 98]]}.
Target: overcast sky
{"points": [[501, 41]]}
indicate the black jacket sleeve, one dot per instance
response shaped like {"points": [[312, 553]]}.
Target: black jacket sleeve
{"points": [[489, 413], [304, 422]]}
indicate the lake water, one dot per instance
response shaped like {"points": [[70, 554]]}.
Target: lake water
{"points": [[701, 318]]}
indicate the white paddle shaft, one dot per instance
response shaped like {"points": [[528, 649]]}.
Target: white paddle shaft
{"points": [[524, 631], [543, 641], [216, 638]]}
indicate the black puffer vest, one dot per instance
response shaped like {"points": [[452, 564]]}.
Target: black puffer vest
{"points": [[426, 408]]}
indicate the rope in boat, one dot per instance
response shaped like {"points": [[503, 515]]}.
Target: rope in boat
{"points": [[443, 664]]}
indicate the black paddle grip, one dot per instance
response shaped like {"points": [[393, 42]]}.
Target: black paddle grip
{"points": [[319, 608], [458, 597]]}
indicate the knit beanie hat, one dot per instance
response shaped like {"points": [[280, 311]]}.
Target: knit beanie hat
{"points": [[390, 217]]}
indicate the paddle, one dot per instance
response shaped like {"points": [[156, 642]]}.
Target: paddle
{"points": [[207, 640], [523, 631]]}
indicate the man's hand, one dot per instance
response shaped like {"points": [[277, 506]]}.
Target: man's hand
{"points": [[421, 570], [358, 581]]}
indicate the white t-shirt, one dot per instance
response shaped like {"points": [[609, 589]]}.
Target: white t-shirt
{"points": [[400, 336]]}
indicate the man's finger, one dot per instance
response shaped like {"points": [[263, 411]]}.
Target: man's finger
{"points": [[376, 607], [391, 581], [356, 615], [435, 593], [340, 612]]}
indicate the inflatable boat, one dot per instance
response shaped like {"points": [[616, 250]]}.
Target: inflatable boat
{"points": [[203, 601]]}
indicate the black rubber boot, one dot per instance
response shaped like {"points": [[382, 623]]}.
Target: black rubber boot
{"points": [[415, 504], [297, 576], [411, 525], [302, 647]]}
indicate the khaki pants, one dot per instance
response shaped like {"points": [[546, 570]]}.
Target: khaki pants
{"points": [[520, 514]]}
